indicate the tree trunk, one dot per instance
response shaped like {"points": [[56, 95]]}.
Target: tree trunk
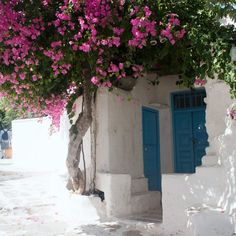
{"points": [[81, 126], [93, 146]]}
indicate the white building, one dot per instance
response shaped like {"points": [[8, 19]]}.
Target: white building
{"points": [[158, 149]]}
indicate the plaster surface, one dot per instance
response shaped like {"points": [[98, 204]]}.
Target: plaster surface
{"points": [[36, 149], [204, 202], [119, 149], [120, 155], [119, 126]]}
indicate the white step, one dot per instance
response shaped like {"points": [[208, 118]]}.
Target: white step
{"points": [[145, 201], [139, 185], [209, 171], [210, 160], [151, 216], [210, 151], [212, 181]]}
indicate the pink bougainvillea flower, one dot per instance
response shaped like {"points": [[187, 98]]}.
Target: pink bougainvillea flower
{"points": [[200, 82], [95, 80], [85, 47], [34, 78]]}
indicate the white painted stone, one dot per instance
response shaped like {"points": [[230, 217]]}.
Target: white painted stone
{"points": [[119, 146], [181, 192], [35, 149], [195, 200], [139, 185], [119, 126], [210, 160], [145, 201], [120, 156], [117, 189], [119, 142], [211, 223], [119, 200]]}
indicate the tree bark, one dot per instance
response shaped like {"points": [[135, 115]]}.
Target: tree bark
{"points": [[93, 146], [82, 124]]}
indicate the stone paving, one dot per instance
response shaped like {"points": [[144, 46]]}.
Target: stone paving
{"points": [[31, 204]]}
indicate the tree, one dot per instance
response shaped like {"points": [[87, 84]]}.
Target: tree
{"points": [[224, 8], [7, 114], [53, 51]]}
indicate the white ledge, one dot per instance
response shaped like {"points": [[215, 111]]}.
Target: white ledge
{"points": [[159, 105]]}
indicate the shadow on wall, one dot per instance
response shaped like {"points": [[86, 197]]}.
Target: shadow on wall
{"points": [[228, 160], [206, 200], [221, 218]]}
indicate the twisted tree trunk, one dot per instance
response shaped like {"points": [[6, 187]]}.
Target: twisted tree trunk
{"points": [[93, 146], [81, 126]]}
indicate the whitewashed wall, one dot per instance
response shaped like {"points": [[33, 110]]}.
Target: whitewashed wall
{"points": [[119, 119], [120, 155], [204, 203], [119, 149], [35, 149]]}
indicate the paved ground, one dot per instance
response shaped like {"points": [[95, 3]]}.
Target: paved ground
{"points": [[36, 204]]}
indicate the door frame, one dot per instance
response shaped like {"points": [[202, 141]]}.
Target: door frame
{"points": [[158, 141], [199, 90]]}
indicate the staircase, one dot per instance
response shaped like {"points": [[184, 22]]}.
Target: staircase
{"points": [[145, 205], [187, 195], [210, 160]]}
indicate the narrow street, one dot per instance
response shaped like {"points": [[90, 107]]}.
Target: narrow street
{"points": [[37, 204], [28, 204]]}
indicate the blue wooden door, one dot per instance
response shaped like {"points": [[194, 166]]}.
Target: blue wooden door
{"points": [[184, 162], [151, 148], [190, 136]]}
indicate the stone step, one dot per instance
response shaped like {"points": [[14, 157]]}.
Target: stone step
{"points": [[211, 180], [210, 151], [210, 160], [145, 201], [209, 171], [139, 185], [151, 216]]}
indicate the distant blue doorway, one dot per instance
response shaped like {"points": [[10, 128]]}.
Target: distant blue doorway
{"points": [[190, 136], [151, 148]]}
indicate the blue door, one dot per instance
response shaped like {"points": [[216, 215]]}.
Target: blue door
{"points": [[151, 148], [190, 136], [183, 143]]}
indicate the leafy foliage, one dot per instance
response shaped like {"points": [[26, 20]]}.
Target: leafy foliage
{"points": [[224, 8], [7, 114], [49, 48]]}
